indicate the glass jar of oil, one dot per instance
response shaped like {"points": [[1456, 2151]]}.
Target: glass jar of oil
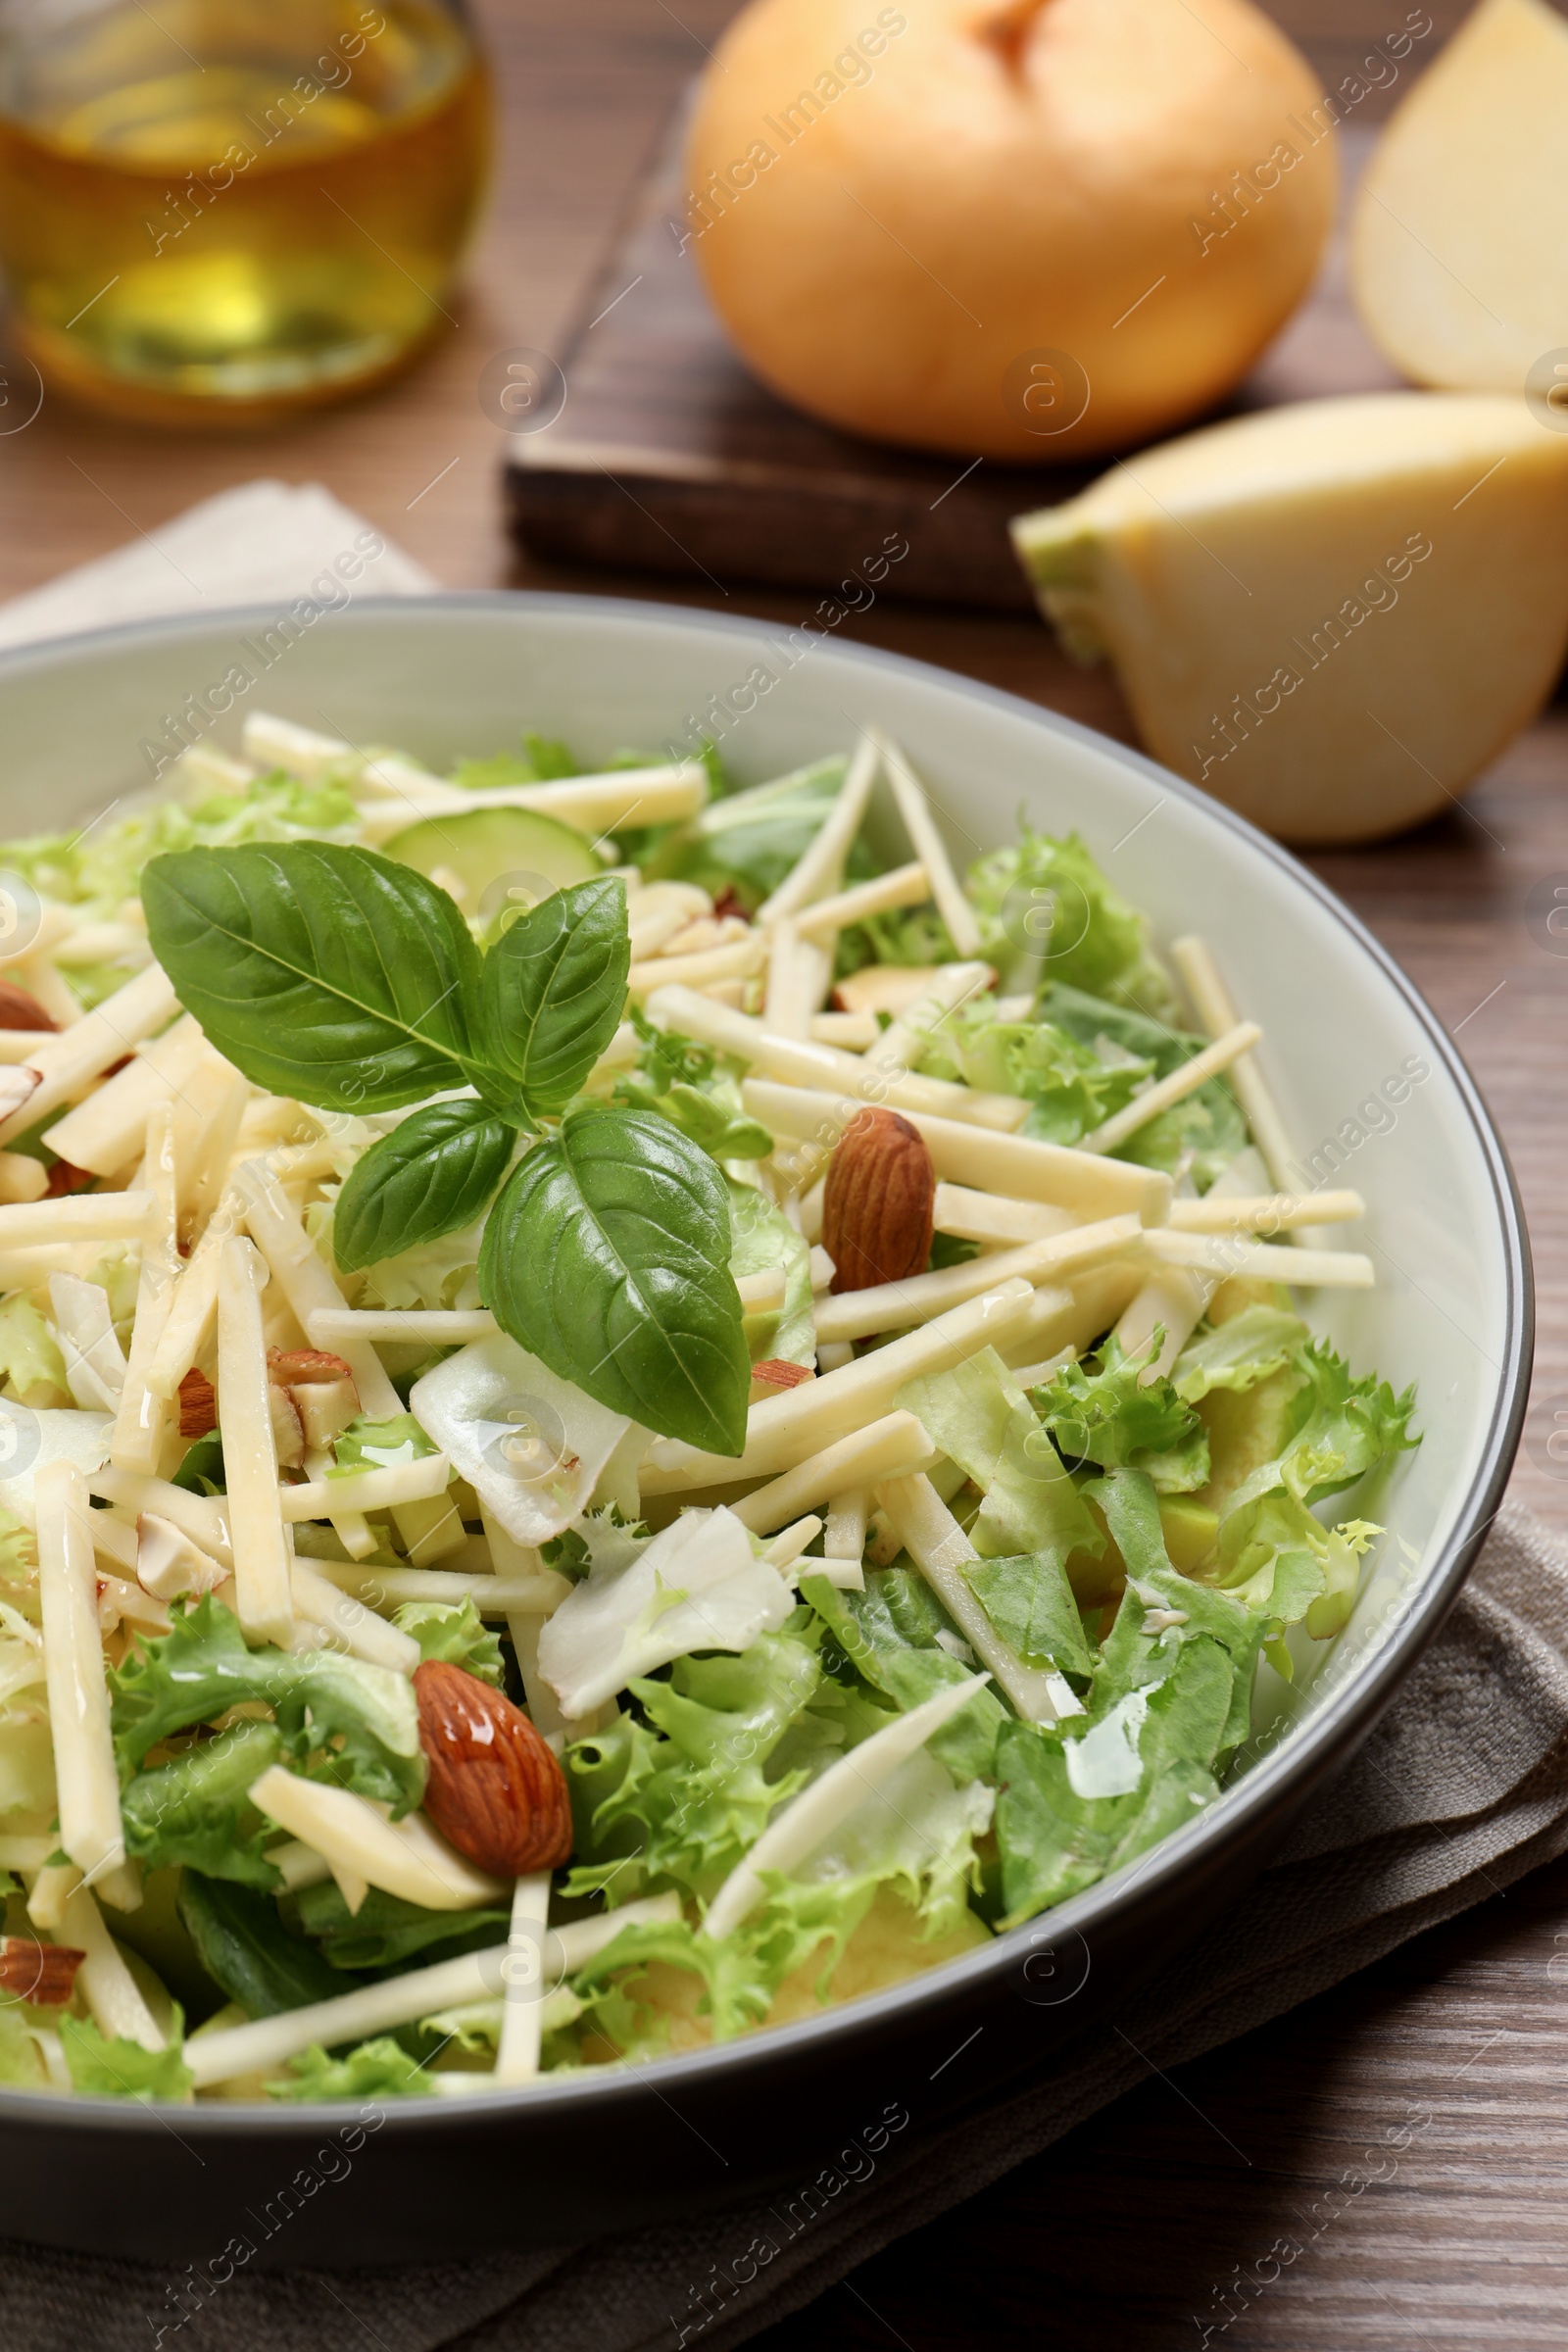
{"points": [[219, 210]]}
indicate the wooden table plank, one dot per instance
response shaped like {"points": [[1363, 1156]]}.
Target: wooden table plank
{"points": [[1129, 2235]]}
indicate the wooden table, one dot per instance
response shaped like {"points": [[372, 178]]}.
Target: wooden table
{"points": [[1129, 2234]]}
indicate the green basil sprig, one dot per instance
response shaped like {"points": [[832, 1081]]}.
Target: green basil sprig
{"points": [[334, 975]]}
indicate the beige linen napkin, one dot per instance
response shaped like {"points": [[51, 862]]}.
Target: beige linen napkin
{"points": [[261, 544], [1460, 1789]]}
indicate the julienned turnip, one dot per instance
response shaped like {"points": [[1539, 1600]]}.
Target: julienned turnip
{"points": [[1026, 233]]}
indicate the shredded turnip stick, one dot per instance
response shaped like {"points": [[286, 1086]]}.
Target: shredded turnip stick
{"points": [[820, 867], [106, 1129], [86, 1781], [143, 1416], [75, 1217], [306, 1282], [1227, 1255], [782, 1430], [844, 1541], [261, 1553], [1175, 1087], [1264, 1212], [270, 2041], [532, 1592], [927, 844], [894, 1305], [366, 1489], [738, 960], [784, 1007], [113, 1997], [207, 1169], [906, 886], [795, 1833], [407, 1857], [358, 1630], [55, 924], [798, 1061], [938, 1547], [975, 1216], [517, 1565], [1216, 1009], [1017, 1165], [70, 1060], [885, 1449], [522, 1984], [192, 1312], [336, 1327], [632, 795], [204, 1518]]}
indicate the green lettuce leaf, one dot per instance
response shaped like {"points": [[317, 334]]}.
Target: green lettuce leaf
{"points": [[455, 1633], [123, 2069], [375, 2070], [891, 1637], [1207, 1124], [1031, 1604], [762, 1238], [750, 841], [679, 1798], [196, 1809], [29, 1355], [982, 1420], [1108, 1414], [915, 1836], [1237, 1355], [386, 1931], [245, 1948], [686, 1084], [1048, 912], [379, 1444], [340, 1719]]}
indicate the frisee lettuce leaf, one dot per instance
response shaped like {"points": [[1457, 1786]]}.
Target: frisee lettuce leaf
{"points": [[375, 2070], [118, 2068], [196, 1809], [455, 1633], [340, 1719], [678, 1798], [1108, 1412]]}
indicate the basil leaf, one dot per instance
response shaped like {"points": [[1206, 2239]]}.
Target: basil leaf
{"points": [[431, 1175], [320, 971], [608, 1258], [554, 989]]}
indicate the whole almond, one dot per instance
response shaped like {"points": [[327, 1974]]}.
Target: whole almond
{"points": [[495, 1790], [20, 1010], [877, 1202], [42, 1974]]}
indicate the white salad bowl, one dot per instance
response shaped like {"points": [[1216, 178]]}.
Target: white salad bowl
{"points": [[1374, 1093]]}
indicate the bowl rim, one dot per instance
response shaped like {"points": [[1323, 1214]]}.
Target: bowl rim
{"points": [[1344, 1717]]}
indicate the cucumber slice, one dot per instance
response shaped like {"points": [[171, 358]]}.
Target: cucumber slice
{"points": [[501, 856]]}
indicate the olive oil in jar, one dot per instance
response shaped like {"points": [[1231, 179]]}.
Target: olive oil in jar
{"points": [[225, 209]]}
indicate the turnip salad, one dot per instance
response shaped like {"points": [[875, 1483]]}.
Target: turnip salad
{"points": [[619, 1420]]}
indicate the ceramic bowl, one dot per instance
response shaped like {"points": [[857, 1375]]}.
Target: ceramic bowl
{"points": [[1374, 1093]]}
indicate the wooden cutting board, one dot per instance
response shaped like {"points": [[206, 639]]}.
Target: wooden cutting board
{"points": [[669, 458]]}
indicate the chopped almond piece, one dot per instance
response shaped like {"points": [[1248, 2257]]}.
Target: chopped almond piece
{"points": [[21, 1009], [198, 1405], [64, 1179], [288, 1430], [325, 1408], [781, 1375], [289, 1366], [42, 1974]]}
